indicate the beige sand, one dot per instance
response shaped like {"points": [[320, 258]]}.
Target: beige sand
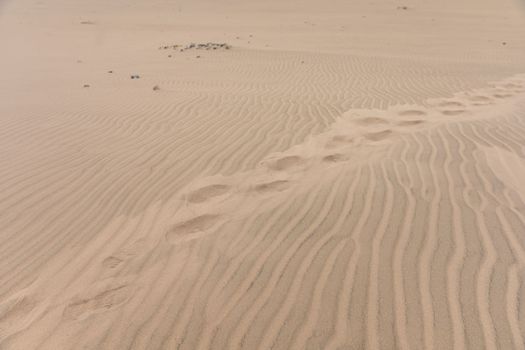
{"points": [[347, 175]]}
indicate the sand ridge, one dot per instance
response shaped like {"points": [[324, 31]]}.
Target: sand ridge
{"points": [[324, 175], [267, 242]]}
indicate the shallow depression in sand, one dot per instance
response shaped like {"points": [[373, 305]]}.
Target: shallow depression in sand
{"points": [[285, 163], [203, 194], [412, 113]]}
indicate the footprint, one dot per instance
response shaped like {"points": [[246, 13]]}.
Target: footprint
{"points": [[371, 120], [410, 122], [111, 262], [102, 301], [451, 104], [339, 140], [274, 186], [207, 192], [342, 138], [453, 112], [412, 113], [192, 228], [512, 86], [335, 158], [124, 254], [285, 163], [480, 98], [378, 136], [502, 95], [16, 314]]}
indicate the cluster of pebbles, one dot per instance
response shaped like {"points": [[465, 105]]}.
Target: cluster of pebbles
{"points": [[193, 46], [181, 48]]}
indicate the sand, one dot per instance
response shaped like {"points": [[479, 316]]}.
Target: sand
{"points": [[338, 175]]}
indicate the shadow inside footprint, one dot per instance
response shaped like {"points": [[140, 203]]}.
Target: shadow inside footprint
{"points": [[371, 120], [14, 313], [512, 86], [207, 192], [502, 95], [285, 163], [192, 228], [111, 262], [453, 112], [274, 186], [335, 158], [378, 136], [410, 122], [412, 113], [339, 140], [451, 104], [81, 308], [480, 98]]}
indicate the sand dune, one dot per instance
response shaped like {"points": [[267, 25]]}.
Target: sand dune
{"points": [[411, 240], [343, 176]]}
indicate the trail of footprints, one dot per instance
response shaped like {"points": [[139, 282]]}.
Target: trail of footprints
{"points": [[353, 133], [356, 131], [338, 145]]}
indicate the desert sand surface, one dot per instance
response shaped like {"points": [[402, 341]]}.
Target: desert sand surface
{"points": [[332, 175]]}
